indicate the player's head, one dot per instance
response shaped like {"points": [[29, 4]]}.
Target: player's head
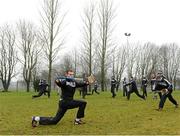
{"points": [[159, 75], [69, 73]]}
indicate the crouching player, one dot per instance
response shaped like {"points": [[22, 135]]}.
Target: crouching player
{"points": [[166, 88], [68, 85]]}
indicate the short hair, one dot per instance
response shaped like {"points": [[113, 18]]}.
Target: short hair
{"points": [[69, 70]]}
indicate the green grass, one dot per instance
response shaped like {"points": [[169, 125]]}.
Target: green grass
{"points": [[104, 115]]}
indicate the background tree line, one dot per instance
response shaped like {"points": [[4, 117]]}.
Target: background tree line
{"points": [[33, 51]]}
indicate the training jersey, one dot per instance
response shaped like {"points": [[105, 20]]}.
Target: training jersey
{"points": [[133, 86], [163, 84], [144, 82], [68, 86]]}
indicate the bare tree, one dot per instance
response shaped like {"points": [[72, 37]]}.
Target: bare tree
{"points": [[163, 54], [173, 59], [44, 74], [144, 60], [67, 63], [36, 74], [52, 24], [75, 60], [136, 65], [154, 60], [64, 65], [88, 36], [106, 16], [84, 68], [7, 55], [113, 63], [168, 61], [121, 63], [96, 69], [145, 56], [28, 45], [131, 59]]}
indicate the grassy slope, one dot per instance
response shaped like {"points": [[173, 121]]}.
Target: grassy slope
{"points": [[104, 115]]}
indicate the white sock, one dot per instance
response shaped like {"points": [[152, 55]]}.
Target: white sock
{"points": [[37, 118], [77, 119]]}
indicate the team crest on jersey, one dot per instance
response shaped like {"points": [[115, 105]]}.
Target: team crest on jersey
{"points": [[72, 84]]}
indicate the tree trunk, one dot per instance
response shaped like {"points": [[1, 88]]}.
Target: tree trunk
{"points": [[28, 86], [49, 75], [102, 76], [174, 83]]}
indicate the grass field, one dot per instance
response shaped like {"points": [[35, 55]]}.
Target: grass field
{"points": [[104, 115]]}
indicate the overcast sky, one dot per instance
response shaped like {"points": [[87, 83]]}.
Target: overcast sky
{"points": [[156, 21]]}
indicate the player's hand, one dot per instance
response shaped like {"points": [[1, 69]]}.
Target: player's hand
{"points": [[91, 79], [166, 91]]}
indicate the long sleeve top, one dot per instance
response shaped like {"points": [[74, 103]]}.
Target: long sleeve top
{"points": [[68, 86]]}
